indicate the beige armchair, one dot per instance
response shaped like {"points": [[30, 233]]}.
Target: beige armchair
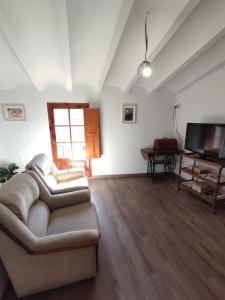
{"points": [[57, 181], [46, 242]]}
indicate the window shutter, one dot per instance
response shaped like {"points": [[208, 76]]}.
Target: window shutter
{"points": [[92, 132]]}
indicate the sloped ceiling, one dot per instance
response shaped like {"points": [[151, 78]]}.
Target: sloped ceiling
{"points": [[100, 43]]}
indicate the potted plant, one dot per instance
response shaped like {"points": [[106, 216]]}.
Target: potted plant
{"points": [[7, 173]]}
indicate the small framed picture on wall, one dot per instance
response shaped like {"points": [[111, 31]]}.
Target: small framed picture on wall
{"points": [[14, 112], [129, 113]]}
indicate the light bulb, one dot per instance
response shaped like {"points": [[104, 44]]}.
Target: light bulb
{"points": [[145, 69]]}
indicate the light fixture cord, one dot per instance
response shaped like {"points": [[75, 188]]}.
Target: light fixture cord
{"points": [[176, 126], [146, 36]]}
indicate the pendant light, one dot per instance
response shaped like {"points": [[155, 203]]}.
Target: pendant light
{"points": [[145, 68]]}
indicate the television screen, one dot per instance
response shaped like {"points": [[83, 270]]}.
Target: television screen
{"points": [[208, 140]]}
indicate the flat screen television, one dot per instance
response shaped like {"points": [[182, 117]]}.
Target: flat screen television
{"points": [[207, 140]]}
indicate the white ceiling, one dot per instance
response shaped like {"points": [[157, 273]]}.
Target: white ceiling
{"points": [[162, 18], [99, 43]]}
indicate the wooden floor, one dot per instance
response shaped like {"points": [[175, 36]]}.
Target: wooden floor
{"points": [[155, 244]]}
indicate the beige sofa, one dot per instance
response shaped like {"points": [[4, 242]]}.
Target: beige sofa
{"points": [[57, 181], [3, 280], [46, 242]]}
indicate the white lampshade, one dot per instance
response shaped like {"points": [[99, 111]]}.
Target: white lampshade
{"points": [[145, 69]]}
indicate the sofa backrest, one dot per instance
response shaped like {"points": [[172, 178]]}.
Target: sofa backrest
{"points": [[45, 169], [41, 162], [18, 194], [44, 193]]}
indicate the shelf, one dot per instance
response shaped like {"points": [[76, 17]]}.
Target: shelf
{"points": [[206, 198], [218, 163], [210, 182]]}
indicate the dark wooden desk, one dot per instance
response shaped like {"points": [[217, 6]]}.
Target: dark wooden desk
{"points": [[165, 158]]}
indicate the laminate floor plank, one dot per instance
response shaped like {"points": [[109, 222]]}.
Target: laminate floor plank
{"points": [[156, 244]]}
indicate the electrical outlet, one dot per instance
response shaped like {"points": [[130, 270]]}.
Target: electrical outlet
{"points": [[178, 105]]}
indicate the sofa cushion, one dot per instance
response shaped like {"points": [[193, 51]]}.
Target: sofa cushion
{"points": [[78, 217], [69, 175], [79, 182], [18, 194], [41, 162], [38, 218], [51, 181]]}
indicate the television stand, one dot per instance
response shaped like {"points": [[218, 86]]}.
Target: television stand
{"points": [[206, 185], [205, 157]]}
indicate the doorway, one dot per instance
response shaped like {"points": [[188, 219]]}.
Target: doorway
{"points": [[67, 132]]}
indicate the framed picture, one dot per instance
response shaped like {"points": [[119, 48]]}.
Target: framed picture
{"points": [[14, 112], [129, 113]]}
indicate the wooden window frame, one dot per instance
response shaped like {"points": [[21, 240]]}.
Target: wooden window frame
{"points": [[55, 105]]}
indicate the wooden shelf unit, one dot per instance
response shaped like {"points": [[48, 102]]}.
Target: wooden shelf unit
{"points": [[219, 165]]}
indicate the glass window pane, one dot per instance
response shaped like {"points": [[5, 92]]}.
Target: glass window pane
{"points": [[76, 116], [62, 134], [64, 150], [77, 133], [61, 116], [79, 151]]}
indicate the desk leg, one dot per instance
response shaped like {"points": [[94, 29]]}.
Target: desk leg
{"points": [[152, 164], [148, 168], [179, 179], [173, 166], [165, 164]]}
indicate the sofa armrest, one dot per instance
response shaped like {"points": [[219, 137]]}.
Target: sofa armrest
{"points": [[72, 198], [66, 241]]}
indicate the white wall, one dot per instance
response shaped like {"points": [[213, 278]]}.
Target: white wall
{"points": [[200, 89], [204, 101], [20, 141], [121, 143]]}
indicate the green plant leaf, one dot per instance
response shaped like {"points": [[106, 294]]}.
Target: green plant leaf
{"points": [[7, 173]]}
